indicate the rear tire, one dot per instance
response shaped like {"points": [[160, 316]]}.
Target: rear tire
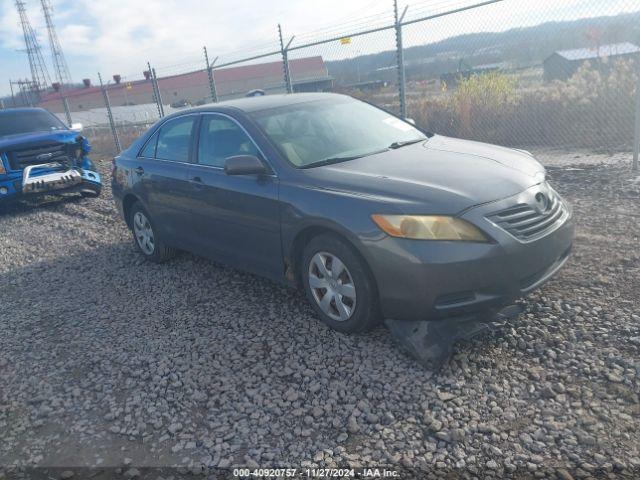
{"points": [[338, 285], [145, 236]]}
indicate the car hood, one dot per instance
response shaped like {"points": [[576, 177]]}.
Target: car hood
{"points": [[63, 136], [441, 175]]}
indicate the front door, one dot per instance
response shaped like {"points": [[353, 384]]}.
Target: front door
{"points": [[239, 216]]}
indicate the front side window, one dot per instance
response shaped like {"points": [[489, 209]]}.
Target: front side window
{"points": [[221, 138], [174, 139], [333, 130]]}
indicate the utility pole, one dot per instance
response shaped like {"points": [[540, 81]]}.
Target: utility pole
{"points": [[59, 63], [25, 91], [39, 73]]}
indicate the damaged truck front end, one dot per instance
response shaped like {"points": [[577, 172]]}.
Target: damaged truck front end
{"points": [[39, 155]]}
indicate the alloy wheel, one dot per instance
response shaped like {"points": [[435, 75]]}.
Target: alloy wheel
{"points": [[143, 233], [332, 286]]}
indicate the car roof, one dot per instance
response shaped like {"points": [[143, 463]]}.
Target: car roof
{"points": [[254, 104], [21, 110]]}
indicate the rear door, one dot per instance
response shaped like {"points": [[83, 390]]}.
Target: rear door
{"points": [[239, 216], [162, 170]]}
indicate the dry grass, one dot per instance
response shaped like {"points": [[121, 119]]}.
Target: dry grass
{"points": [[595, 108]]}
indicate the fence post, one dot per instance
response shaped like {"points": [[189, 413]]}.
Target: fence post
{"points": [[155, 79], [13, 99], [636, 139], [285, 60], [212, 83], [65, 104], [154, 89], [400, 58], [107, 104]]}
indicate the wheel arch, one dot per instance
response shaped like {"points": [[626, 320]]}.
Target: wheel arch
{"points": [[127, 202], [305, 235]]}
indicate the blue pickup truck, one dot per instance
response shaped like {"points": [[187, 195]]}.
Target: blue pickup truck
{"points": [[41, 155]]}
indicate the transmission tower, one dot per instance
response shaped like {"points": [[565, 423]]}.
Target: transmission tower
{"points": [[59, 63], [39, 73]]}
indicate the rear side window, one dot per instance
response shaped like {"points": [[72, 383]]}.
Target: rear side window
{"points": [[221, 138], [149, 149], [174, 139]]}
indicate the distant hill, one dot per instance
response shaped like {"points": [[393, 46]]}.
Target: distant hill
{"points": [[518, 47]]}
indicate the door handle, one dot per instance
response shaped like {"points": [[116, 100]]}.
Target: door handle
{"points": [[139, 170], [196, 179]]}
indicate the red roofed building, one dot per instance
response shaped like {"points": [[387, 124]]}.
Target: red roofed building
{"points": [[307, 74]]}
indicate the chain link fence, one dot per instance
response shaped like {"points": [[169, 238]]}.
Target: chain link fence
{"points": [[515, 73], [556, 81], [351, 65]]}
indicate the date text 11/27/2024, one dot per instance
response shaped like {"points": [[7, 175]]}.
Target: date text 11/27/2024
{"points": [[315, 473]]}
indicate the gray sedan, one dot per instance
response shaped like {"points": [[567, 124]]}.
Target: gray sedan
{"points": [[373, 217]]}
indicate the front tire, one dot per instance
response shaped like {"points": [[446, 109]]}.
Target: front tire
{"points": [[145, 236], [339, 286]]}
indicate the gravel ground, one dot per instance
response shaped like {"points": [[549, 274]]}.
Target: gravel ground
{"points": [[109, 361]]}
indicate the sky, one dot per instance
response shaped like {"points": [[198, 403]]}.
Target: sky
{"points": [[120, 36]]}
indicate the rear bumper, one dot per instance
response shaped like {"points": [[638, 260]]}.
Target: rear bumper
{"points": [[422, 280]]}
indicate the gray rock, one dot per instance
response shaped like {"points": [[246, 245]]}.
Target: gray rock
{"points": [[352, 425], [132, 473], [175, 428], [614, 377], [563, 474]]}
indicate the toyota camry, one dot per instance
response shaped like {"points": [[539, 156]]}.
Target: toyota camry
{"points": [[371, 216]]}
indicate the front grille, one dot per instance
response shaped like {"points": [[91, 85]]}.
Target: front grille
{"points": [[48, 152], [526, 223]]}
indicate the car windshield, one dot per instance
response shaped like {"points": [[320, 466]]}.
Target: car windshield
{"points": [[333, 130], [12, 123]]}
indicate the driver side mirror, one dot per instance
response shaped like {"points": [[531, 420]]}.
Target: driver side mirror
{"points": [[244, 165], [76, 127]]}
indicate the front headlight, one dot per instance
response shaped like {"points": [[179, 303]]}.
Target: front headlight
{"points": [[431, 227]]}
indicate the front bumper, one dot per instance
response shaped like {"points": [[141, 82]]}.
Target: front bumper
{"points": [[423, 280], [50, 178], [431, 343]]}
